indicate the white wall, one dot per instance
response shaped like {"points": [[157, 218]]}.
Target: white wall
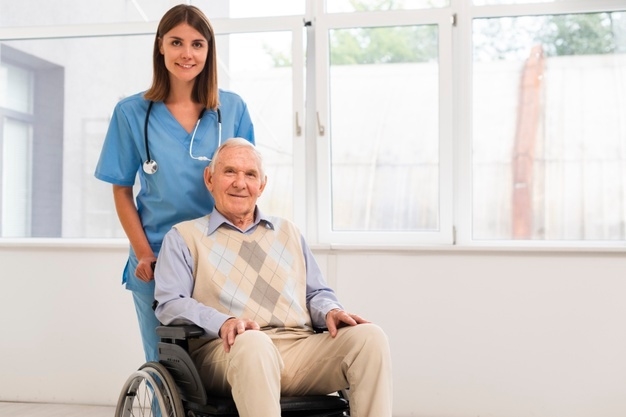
{"points": [[489, 333]]}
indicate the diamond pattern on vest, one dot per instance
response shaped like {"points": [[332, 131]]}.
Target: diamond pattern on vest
{"points": [[259, 276]]}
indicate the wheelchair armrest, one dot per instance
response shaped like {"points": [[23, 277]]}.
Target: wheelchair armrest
{"points": [[179, 331], [191, 331]]}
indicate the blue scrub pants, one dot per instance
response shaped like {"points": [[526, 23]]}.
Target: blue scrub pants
{"points": [[147, 324]]}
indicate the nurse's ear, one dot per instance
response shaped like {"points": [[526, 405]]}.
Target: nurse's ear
{"points": [[161, 45]]}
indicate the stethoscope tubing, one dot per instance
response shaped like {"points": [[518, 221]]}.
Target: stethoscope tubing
{"points": [[150, 166]]}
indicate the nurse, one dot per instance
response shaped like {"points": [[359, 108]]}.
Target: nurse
{"points": [[165, 136]]}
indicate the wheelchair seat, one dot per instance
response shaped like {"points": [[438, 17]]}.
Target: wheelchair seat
{"points": [[172, 387]]}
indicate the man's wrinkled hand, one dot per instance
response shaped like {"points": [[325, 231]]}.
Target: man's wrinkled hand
{"points": [[338, 318], [233, 327]]}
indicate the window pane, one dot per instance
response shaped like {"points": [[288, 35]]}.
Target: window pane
{"points": [[16, 178], [549, 140], [70, 12], [494, 2], [16, 88], [257, 66], [72, 109], [339, 6], [73, 12], [384, 128], [256, 8]]}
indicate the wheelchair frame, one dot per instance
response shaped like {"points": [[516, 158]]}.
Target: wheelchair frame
{"points": [[172, 387]]}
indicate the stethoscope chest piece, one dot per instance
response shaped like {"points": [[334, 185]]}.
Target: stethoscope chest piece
{"points": [[150, 167]]}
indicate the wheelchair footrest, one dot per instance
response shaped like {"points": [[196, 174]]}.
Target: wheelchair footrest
{"points": [[307, 406], [313, 403]]}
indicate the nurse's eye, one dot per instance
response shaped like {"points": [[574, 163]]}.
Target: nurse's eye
{"points": [[198, 45], [176, 43]]}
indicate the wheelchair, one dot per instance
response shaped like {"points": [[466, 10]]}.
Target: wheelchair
{"points": [[172, 387]]}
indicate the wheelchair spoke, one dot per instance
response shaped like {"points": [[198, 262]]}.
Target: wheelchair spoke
{"points": [[147, 394]]}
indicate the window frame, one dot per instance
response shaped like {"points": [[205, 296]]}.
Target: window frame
{"points": [[323, 24]]}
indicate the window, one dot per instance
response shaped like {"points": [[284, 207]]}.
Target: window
{"points": [[37, 13], [382, 122], [383, 167], [16, 178], [16, 137], [500, 2], [271, 87], [549, 144], [31, 151], [337, 6], [384, 117]]}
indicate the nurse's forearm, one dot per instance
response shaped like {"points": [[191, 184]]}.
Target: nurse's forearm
{"points": [[129, 218]]}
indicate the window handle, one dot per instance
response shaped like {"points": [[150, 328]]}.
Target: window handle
{"points": [[298, 127], [320, 126]]}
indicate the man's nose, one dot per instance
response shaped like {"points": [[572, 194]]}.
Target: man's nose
{"points": [[240, 180]]}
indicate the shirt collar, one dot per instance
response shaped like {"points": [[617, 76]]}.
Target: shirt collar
{"points": [[216, 219]]}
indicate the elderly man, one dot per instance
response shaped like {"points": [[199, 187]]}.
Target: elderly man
{"points": [[251, 282]]}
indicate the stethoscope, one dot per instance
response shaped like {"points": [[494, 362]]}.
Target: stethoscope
{"points": [[150, 166]]}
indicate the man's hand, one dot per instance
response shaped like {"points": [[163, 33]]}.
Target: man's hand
{"points": [[338, 318], [232, 327]]}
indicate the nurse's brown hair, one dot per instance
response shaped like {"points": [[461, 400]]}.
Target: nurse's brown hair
{"points": [[205, 89]]}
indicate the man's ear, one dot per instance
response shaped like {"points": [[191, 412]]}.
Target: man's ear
{"points": [[208, 179], [263, 184]]}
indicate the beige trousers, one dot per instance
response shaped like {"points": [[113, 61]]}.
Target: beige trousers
{"points": [[262, 366]]}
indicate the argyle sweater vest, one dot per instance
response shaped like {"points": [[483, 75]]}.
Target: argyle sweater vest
{"points": [[259, 276]]}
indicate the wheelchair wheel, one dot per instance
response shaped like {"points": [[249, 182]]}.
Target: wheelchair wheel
{"points": [[150, 392]]}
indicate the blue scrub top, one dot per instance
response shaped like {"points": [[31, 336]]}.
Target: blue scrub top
{"points": [[176, 192]]}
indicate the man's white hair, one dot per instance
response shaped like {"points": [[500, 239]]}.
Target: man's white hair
{"points": [[238, 143]]}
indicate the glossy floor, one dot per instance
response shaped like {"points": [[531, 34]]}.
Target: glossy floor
{"points": [[53, 410]]}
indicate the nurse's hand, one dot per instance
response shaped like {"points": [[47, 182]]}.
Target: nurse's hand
{"points": [[145, 268]]}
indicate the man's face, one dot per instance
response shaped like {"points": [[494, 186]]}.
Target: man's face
{"points": [[236, 183]]}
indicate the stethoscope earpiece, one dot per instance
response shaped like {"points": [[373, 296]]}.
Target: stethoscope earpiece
{"points": [[150, 167]]}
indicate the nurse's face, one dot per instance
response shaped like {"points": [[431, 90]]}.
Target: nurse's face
{"points": [[185, 53]]}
